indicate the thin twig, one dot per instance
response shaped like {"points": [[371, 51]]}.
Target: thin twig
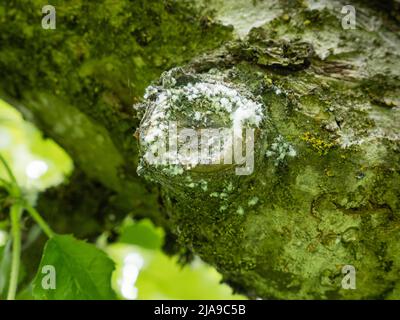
{"points": [[8, 169], [39, 220]]}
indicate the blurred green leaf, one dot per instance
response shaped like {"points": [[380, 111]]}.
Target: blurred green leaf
{"points": [[142, 233], [82, 271], [174, 281], [22, 145], [161, 277]]}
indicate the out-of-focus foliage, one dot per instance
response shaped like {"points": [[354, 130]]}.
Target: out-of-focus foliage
{"points": [[36, 162], [145, 272], [142, 270], [142, 233]]}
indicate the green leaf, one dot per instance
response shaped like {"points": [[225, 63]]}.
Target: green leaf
{"points": [[143, 234], [82, 271]]}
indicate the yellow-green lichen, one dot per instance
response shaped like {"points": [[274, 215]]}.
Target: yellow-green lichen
{"points": [[318, 144]]}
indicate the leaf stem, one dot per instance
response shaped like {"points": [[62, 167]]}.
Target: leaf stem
{"points": [[8, 169], [16, 211], [6, 184], [39, 220]]}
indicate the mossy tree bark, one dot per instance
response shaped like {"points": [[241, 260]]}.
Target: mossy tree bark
{"points": [[325, 189]]}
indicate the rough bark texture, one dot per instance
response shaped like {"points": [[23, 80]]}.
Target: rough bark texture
{"points": [[331, 95]]}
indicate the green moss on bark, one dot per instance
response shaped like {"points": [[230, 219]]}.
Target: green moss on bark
{"points": [[334, 202]]}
